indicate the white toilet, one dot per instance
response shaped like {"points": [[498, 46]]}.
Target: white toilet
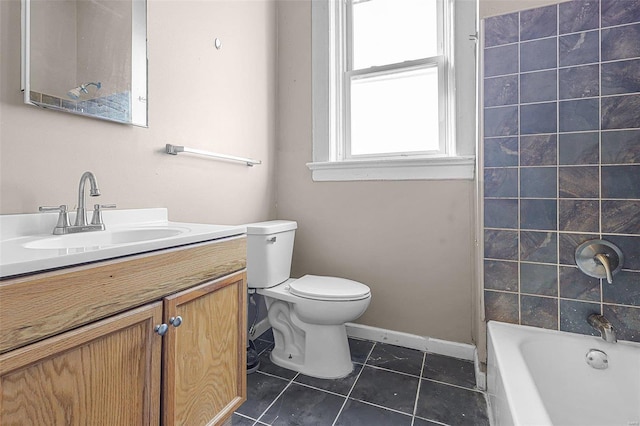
{"points": [[307, 314]]}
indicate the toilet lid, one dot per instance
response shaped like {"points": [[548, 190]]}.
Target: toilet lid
{"points": [[328, 288]]}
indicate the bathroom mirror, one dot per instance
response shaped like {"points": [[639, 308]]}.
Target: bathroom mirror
{"points": [[86, 57]]}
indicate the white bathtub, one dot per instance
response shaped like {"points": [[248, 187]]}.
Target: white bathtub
{"points": [[541, 377]]}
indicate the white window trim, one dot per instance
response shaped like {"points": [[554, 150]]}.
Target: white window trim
{"points": [[328, 53]]}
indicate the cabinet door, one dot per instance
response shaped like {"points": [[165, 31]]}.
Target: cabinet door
{"points": [[105, 373], [205, 357]]}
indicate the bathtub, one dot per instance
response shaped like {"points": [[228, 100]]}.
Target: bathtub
{"points": [[541, 377]]}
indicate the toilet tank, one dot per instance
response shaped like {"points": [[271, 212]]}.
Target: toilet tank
{"points": [[269, 252]]}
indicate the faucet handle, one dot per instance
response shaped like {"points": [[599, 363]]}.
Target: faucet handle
{"points": [[63, 218], [96, 219]]}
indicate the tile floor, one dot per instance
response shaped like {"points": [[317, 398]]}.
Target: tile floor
{"points": [[390, 385]]}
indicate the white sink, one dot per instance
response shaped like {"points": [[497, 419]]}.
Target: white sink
{"points": [[27, 244], [103, 238]]}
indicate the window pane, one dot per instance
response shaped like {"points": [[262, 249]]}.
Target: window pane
{"points": [[395, 113], [392, 31]]}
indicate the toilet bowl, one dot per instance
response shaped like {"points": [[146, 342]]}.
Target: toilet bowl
{"points": [[307, 314]]}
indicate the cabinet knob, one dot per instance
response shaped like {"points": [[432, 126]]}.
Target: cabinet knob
{"points": [[175, 321], [161, 329]]}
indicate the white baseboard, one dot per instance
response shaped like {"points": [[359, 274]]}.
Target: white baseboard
{"points": [[260, 327], [412, 341], [423, 343]]}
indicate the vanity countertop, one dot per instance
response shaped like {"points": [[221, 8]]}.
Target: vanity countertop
{"points": [[28, 246]]}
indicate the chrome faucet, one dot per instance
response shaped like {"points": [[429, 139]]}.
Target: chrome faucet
{"points": [[81, 214], [81, 225], [600, 323]]}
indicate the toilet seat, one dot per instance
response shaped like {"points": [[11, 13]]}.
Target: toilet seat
{"points": [[328, 288]]}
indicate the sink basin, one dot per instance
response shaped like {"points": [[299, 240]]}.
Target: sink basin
{"points": [[102, 238], [27, 244]]}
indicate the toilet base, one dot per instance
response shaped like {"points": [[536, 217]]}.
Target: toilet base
{"points": [[326, 354]]}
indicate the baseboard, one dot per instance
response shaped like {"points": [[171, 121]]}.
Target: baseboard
{"points": [[260, 327], [428, 344]]}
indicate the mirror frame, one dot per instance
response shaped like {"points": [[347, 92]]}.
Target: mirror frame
{"points": [[139, 63]]}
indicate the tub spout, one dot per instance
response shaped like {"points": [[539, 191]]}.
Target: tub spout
{"points": [[600, 323]]}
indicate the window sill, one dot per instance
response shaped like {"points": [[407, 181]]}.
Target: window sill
{"points": [[440, 168]]}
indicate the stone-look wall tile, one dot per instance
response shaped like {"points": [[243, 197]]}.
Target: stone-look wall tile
{"points": [[579, 15], [538, 86], [579, 215], [499, 306], [500, 30], [538, 182], [539, 311], [578, 148], [619, 147], [625, 320], [501, 152], [575, 284], [621, 216], [538, 23], [579, 115], [501, 121], [625, 289], [567, 245], [538, 150], [579, 82], [539, 55], [539, 246], [501, 182], [51, 100], [500, 91], [621, 112], [620, 42], [618, 12], [501, 60], [538, 214], [573, 316], [578, 182], [501, 213], [630, 247], [501, 244], [538, 118], [621, 181], [499, 275], [539, 279], [621, 77], [578, 49]]}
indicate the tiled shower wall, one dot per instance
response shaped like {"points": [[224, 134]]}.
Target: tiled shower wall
{"points": [[562, 163]]}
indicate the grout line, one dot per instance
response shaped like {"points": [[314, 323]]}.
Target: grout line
{"points": [[415, 403], [346, 399]]}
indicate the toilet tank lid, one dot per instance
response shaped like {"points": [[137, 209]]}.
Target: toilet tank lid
{"points": [[328, 288], [270, 227]]}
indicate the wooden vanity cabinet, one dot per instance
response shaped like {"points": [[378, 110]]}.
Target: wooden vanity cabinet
{"points": [[119, 371]]}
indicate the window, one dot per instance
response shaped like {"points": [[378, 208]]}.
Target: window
{"points": [[384, 89]]}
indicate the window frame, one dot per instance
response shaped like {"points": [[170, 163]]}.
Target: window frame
{"points": [[330, 57]]}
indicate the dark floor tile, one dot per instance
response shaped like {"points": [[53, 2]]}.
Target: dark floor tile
{"points": [[262, 390], [267, 366], [267, 336], [396, 358], [449, 370], [238, 420], [386, 388], [301, 405], [451, 405], [356, 413], [341, 386], [422, 422], [262, 345], [360, 350]]}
